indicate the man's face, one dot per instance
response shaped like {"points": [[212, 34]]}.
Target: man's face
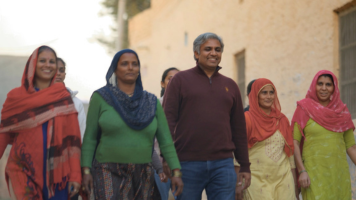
{"points": [[61, 73], [210, 54]]}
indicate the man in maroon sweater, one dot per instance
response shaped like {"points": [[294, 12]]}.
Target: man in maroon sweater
{"points": [[206, 118]]}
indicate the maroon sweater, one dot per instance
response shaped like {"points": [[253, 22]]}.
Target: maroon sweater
{"points": [[206, 117]]}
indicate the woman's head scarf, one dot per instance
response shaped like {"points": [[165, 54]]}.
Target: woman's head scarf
{"points": [[138, 110], [25, 108], [24, 112], [333, 117], [262, 125]]}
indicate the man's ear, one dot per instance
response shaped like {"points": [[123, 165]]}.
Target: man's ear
{"points": [[196, 55]]}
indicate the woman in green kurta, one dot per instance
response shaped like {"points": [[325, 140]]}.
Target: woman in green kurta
{"points": [[323, 134], [122, 122]]}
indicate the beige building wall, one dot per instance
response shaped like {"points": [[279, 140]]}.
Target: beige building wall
{"points": [[285, 41]]}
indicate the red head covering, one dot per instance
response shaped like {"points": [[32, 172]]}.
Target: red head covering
{"points": [[24, 112], [334, 117], [262, 125], [25, 98]]}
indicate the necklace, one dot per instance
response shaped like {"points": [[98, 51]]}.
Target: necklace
{"points": [[130, 95]]}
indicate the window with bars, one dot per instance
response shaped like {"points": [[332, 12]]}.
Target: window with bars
{"points": [[240, 62], [347, 21]]}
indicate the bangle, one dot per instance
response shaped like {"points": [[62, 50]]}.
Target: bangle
{"points": [[86, 171], [300, 172], [177, 173]]}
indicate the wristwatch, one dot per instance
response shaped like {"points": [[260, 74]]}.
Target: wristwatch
{"points": [[177, 173]]}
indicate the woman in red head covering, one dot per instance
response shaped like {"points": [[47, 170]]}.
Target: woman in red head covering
{"points": [[323, 131], [40, 121], [270, 145]]}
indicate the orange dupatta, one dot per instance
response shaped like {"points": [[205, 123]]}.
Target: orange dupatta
{"points": [[261, 126]]}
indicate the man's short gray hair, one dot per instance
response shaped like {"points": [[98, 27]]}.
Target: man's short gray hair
{"points": [[201, 39]]}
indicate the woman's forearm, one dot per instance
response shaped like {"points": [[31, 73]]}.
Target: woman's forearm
{"points": [[294, 176], [351, 151], [298, 157]]}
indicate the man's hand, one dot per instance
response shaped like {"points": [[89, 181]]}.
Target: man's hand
{"points": [[246, 178], [238, 188]]}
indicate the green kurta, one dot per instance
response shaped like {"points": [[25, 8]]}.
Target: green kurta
{"points": [[121, 144], [324, 158]]}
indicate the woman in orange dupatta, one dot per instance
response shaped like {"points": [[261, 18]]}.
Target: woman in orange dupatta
{"points": [[40, 121], [270, 144]]}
